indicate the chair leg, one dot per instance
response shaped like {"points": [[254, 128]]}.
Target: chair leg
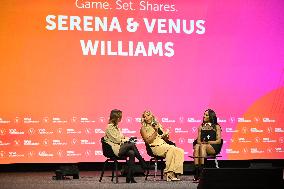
{"points": [[116, 170], [205, 162], [112, 171], [148, 169], [162, 169], [102, 174], [155, 161], [216, 163], [156, 169]]}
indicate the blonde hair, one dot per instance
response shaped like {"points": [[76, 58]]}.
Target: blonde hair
{"points": [[149, 113]]}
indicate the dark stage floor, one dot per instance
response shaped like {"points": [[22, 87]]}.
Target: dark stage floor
{"points": [[254, 177], [87, 180]]}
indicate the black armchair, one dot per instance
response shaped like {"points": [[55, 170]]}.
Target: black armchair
{"points": [[154, 159], [111, 157]]}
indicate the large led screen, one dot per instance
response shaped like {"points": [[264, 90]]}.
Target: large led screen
{"points": [[65, 64]]}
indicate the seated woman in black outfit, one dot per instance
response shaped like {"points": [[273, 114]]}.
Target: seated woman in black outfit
{"points": [[208, 140], [121, 145]]}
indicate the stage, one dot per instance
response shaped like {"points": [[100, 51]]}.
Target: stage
{"points": [[87, 180], [213, 178]]}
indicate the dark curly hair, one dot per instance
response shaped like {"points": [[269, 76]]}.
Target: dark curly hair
{"points": [[212, 118]]}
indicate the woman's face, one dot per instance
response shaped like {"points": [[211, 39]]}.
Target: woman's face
{"points": [[206, 117], [119, 119], [148, 117]]}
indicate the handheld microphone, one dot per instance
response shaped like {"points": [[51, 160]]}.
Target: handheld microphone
{"points": [[160, 132], [133, 139], [154, 124]]}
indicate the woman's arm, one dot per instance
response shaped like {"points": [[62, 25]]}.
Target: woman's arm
{"points": [[199, 136], [165, 134], [218, 136], [114, 135]]}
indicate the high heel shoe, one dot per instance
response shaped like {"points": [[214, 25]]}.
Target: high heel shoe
{"points": [[130, 175], [170, 177], [130, 180], [195, 179]]}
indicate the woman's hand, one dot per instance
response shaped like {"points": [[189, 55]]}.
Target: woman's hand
{"points": [[204, 141], [166, 134], [156, 127], [125, 139]]}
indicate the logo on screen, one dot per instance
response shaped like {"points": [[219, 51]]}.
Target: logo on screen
{"points": [[60, 153], [45, 142], [45, 154], [181, 140], [232, 119], [2, 154], [98, 153], [3, 121], [138, 119], [278, 130], [31, 131], [190, 140], [221, 120], [244, 130], [84, 120], [231, 130], [17, 142], [193, 120], [74, 141], [256, 119], [60, 130], [45, 120], [181, 119], [17, 120], [179, 130], [128, 119], [267, 120], [99, 131], [269, 130], [167, 120], [194, 129], [88, 130], [73, 119], [101, 119], [88, 153], [2, 131], [31, 154]]}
